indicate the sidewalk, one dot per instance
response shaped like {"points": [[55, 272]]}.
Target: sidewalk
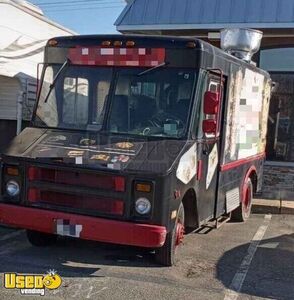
{"points": [[273, 206]]}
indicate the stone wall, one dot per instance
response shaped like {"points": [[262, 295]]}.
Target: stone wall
{"points": [[278, 181]]}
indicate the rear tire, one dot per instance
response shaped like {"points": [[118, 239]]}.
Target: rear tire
{"points": [[40, 239], [242, 213], [166, 255]]}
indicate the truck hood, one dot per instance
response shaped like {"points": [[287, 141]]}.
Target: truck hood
{"points": [[99, 151]]}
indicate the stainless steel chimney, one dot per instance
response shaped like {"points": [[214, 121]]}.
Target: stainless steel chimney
{"points": [[241, 42]]}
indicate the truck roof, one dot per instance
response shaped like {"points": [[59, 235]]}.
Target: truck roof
{"points": [[212, 57]]}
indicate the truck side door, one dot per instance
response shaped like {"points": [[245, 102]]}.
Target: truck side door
{"points": [[209, 154]]}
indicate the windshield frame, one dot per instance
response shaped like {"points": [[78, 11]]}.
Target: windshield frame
{"points": [[104, 127]]}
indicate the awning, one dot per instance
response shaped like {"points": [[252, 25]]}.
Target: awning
{"points": [[144, 15]]}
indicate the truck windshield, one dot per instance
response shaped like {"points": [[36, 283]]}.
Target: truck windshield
{"points": [[154, 103]]}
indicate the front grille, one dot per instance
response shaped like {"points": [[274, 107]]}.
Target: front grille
{"points": [[86, 193], [38, 197], [106, 182]]}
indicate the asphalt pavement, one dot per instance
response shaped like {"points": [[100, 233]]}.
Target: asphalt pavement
{"points": [[237, 261]]}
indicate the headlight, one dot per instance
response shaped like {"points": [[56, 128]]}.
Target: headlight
{"points": [[143, 206], [12, 188]]}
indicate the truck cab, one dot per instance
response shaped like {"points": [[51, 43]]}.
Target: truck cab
{"points": [[135, 138]]}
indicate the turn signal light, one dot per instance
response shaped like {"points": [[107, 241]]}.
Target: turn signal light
{"points": [[106, 43], [12, 171], [52, 43], [117, 44], [143, 187], [191, 45], [130, 43]]}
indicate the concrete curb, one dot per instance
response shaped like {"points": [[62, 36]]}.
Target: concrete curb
{"points": [[273, 206]]}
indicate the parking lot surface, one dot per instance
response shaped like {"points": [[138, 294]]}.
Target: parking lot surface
{"points": [[237, 261]]}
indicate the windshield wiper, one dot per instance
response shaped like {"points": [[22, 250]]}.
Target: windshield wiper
{"points": [[52, 85], [152, 69]]}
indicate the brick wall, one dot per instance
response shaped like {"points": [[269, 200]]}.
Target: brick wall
{"points": [[278, 181]]}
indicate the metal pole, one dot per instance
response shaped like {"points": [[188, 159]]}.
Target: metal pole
{"points": [[19, 112]]}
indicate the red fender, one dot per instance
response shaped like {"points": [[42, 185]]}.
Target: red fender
{"points": [[243, 186]]}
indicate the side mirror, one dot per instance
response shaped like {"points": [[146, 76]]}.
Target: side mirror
{"points": [[209, 126], [211, 103]]}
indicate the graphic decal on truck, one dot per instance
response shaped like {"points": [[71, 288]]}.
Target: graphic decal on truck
{"points": [[246, 118], [250, 109], [103, 157], [125, 145], [88, 150], [187, 166], [212, 164], [74, 153]]}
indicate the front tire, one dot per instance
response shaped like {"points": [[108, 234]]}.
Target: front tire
{"points": [[242, 213], [40, 239], [166, 255]]}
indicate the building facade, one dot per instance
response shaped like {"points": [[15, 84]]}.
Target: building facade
{"points": [[205, 19], [24, 31]]}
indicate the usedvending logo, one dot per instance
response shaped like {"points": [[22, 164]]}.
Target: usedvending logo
{"points": [[32, 284]]}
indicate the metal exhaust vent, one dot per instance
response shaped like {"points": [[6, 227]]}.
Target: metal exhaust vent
{"points": [[241, 42]]}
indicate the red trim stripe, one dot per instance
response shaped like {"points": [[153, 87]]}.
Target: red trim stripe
{"points": [[240, 162], [251, 170]]}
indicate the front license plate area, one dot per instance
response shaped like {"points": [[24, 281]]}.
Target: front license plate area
{"points": [[67, 228]]}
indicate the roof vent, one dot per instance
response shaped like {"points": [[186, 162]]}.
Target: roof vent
{"points": [[241, 42]]}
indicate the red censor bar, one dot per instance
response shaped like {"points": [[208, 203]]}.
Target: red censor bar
{"points": [[122, 57]]}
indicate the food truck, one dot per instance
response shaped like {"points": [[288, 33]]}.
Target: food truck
{"points": [[135, 138]]}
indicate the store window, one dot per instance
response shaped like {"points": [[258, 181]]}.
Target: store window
{"points": [[280, 138], [281, 59]]}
